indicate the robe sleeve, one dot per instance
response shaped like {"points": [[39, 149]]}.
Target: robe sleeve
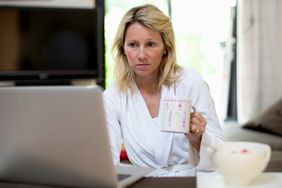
{"points": [[203, 103]]}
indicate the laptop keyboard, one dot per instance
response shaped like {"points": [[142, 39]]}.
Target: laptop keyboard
{"points": [[122, 176]]}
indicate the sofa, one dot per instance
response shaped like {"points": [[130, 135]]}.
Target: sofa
{"points": [[265, 127], [236, 132]]}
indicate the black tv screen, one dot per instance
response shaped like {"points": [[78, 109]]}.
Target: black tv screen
{"points": [[51, 44]]}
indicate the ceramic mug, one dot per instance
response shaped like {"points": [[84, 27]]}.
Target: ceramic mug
{"points": [[175, 114]]}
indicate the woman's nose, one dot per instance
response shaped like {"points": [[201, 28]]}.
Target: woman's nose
{"points": [[142, 52]]}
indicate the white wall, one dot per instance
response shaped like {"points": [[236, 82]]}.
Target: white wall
{"points": [[280, 33], [51, 3]]}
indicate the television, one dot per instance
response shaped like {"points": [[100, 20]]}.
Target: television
{"points": [[51, 45]]}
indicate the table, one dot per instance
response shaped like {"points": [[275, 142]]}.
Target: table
{"points": [[166, 182], [275, 165]]}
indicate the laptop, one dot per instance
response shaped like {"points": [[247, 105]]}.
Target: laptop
{"points": [[57, 135]]}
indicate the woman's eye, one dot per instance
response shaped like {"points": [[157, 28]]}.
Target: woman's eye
{"points": [[151, 44], [132, 45]]}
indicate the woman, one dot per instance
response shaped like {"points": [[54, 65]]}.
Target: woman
{"points": [[145, 71]]}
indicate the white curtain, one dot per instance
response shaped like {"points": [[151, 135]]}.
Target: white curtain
{"points": [[259, 65]]}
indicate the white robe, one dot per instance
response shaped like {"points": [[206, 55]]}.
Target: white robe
{"points": [[129, 120]]}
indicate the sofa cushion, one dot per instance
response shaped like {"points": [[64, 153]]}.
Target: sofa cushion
{"points": [[270, 121]]}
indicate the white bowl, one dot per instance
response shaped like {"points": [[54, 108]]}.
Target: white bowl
{"points": [[239, 163]]}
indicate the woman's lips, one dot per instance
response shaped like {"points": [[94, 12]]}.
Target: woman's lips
{"points": [[142, 66]]}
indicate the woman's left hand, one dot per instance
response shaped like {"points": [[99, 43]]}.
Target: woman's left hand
{"points": [[197, 128]]}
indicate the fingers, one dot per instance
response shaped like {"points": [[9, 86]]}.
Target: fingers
{"points": [[194, 128], [197, 123]]}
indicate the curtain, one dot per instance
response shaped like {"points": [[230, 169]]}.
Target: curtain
{"points": [[259, 66]]}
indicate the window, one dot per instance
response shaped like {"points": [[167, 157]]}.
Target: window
{"points": [[203, 33]]}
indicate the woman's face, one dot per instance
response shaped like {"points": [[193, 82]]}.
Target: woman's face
{"points": [[144, 50]]}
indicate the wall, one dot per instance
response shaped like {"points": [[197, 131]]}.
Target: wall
{"points": [[280, 32], [53, 3]]}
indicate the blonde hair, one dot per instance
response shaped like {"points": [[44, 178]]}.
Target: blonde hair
{"points": [[151, 17]]}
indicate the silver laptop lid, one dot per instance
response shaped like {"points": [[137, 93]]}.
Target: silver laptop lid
{"points": [[54, 135]]}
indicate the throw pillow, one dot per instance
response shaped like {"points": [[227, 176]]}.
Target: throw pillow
{"points": [[270, 121]]}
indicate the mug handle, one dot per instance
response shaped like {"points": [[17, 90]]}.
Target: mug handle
{"points": [[193, 109]]}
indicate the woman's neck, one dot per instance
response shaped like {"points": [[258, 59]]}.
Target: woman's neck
{"points": [[147, 84], [151, 95]]}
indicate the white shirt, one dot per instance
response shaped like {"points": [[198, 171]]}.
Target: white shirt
{"points": [[129, 120]]}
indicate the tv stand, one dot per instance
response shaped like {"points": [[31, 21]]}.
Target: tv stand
{"points": [[84, 82], [7, 83], [75, 82], [41, 82]]}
